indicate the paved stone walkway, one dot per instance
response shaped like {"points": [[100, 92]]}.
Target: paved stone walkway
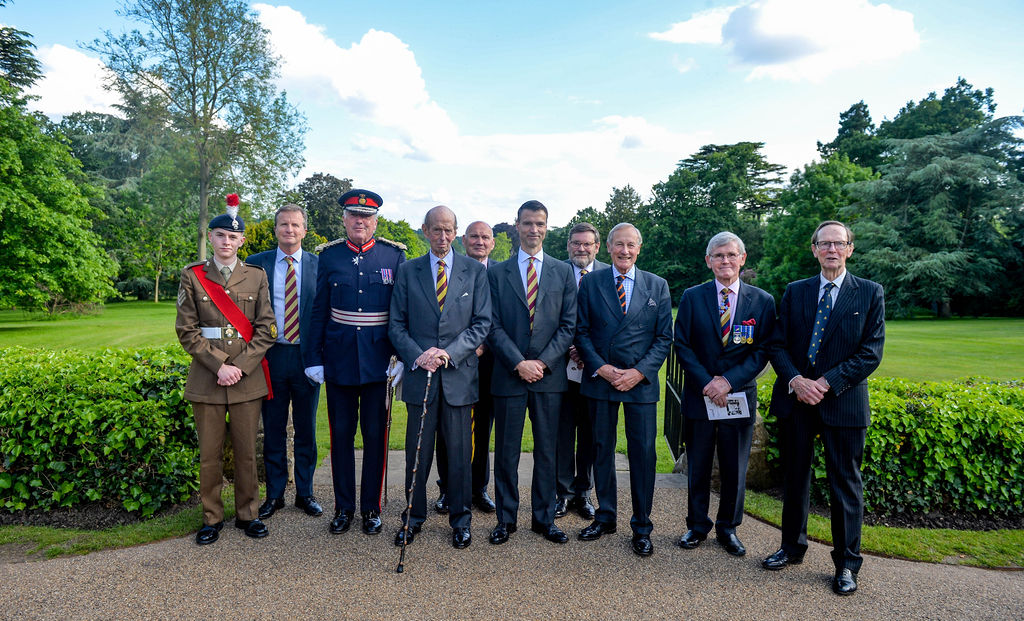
{"points": [[302, 572]]}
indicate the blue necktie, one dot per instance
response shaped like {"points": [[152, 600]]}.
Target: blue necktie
{"points": [[820, 320]]}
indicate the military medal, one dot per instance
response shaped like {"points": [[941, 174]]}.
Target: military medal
{"points": [[355, 260], [387, 276], [737, 334]]}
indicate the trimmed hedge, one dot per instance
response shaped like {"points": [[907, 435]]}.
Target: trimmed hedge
{"points": [[935, 446], [109, 426]]}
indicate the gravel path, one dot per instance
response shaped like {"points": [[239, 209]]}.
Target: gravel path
{"points": [[301, 571]]}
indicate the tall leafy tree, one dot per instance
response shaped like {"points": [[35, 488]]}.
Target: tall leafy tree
{"points": [[49, 257], [960, 107], [400, 231], [209, 63], [936, 229], [817, 193], [856, 138]]}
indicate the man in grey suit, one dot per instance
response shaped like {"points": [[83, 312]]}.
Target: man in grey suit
{"points": [[440, 315], [533, 319], [832, 328], [623, 334], [575, 450], [292, 276]]}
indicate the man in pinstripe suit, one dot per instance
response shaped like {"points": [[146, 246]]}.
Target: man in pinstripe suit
{"points": [[832, 328]]}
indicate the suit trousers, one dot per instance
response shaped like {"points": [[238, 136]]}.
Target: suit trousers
{"points": [[575, 450], [732, 442], [291, 388], [212, 428], [482, 418], [641, 431], [509, 420], [347, 406], [453, 423], [844, 452]]}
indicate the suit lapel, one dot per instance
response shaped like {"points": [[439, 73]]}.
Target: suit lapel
{"points": [[846, 294], [637, 301], [809, 302], [610, 297], [307, 288], [214, 274], [269, 267], [457, 278], [426, 280], [547, 283], [515, 281]]}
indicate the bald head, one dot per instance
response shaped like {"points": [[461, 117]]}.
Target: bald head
{"points": [[439, 227], [478, 241]]}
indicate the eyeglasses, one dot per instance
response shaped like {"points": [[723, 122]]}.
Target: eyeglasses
{"points": [[581, 244], [838, 245], [732, 256]]}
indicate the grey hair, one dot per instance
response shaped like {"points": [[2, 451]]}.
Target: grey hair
{"points": [[621, 225], [723, 238], [291, 207]]}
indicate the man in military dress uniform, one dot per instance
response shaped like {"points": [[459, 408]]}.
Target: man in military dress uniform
{"points": [[226, 323], [349, 348]]}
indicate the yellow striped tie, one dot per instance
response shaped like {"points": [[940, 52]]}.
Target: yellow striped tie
{"points": [[291, 303], [726, 315], [442, 284], [531, 290]]}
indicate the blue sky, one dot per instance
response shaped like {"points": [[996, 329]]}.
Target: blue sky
{"points": [[482, 106]]}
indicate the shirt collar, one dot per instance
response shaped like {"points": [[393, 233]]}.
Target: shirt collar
{"points": [[297, 255], [838, 282], [434, 259], [524, 257], [219, 265], [631, 274], [734, 287]]}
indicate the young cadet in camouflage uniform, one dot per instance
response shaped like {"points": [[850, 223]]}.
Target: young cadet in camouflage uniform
{"points": [[226, 323]]}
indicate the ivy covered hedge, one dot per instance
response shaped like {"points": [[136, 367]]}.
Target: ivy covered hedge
{"points": [[935, 446], [109, 426]]}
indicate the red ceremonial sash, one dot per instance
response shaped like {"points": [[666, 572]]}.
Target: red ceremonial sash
{"points": [[233, 314]]}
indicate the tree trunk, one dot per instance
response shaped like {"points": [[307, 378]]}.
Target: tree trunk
{"points": [[945, 309], [156, 287], [204, 204]]}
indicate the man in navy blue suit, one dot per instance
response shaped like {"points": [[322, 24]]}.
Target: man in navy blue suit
{"points": [[292, 276], [832, 328], [723, 336], [623, 335], [349, 348]]}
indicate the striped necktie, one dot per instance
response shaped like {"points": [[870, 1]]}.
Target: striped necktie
{"points": [[531, 290], [291, 302], [583, 272], [820, 319], [621, 291], [442, 284], [725, 315]]}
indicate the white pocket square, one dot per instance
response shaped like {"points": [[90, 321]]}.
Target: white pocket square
{"points": [[651, 302], [465, 294]]}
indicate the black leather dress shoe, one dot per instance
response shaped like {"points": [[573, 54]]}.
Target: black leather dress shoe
{"points": [[501, 532], [253, 528], [269, 506], [551, 532], [583, 507], [595, 530], [407, 536], [690, 540], [441, 506], [732, 544], [309, 505], [371, 522], [561, 507], [642, 545], [209, 533], [342, 521], [844, 582], [461, 538], [483, 502], [780, 559]]}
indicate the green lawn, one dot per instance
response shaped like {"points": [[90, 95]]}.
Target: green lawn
{"points": [[915, 349]]}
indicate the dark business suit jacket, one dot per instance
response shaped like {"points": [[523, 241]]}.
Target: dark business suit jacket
{"points": [[307, 288], [553, 326], [698, 345], [851, 348], [639, 339], [417, 324]]}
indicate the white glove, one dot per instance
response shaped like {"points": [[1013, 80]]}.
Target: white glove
{"points": [[316, 373], [395, 372]]}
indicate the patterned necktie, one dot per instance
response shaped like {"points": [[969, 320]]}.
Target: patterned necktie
{"points": [[291, 302], [820, 319], [442, 285], [725, 315], [583, 272], [226, 273], [621, 291], [531, 290]]}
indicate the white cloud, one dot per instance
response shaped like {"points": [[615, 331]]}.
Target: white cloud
{"points": [[703, 27], [682, 66], [802, 39], [72, 82]]}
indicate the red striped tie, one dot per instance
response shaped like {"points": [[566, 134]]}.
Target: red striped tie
{"points": [[442, 285], [291, 303], [621, 291], [531, 290]]}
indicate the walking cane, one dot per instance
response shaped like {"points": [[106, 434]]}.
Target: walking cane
{"points": [[388, 402], [415, 467]]}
